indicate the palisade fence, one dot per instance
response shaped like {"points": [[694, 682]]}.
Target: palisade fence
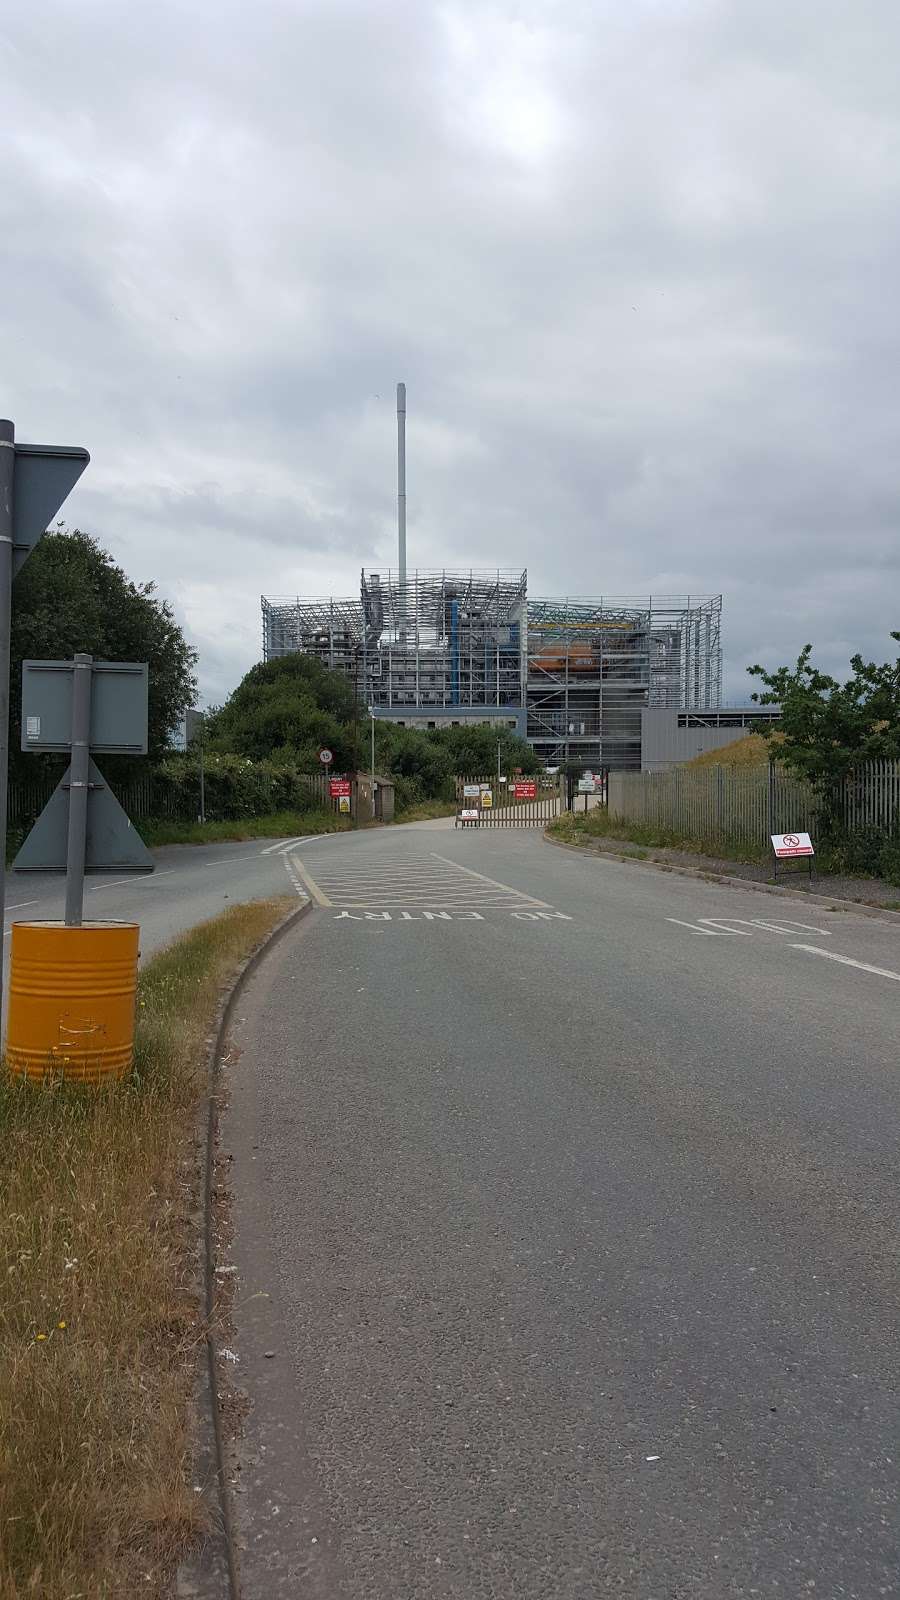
{"points": [[505, 810], [745, 807], [154, 796]]}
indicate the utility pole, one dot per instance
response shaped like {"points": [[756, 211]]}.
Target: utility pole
{"points": [[34, 482], [7, 481], [202, 775], [498, 763], [401, 507]]}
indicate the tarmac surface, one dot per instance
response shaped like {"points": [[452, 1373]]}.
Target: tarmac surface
{"points": [[566, 1233]]}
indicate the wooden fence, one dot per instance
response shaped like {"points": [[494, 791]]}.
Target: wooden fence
{"points": [[745, 807]]}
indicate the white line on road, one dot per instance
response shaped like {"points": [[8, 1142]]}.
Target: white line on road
{"points": [[710, 933], [312, 888], [144, 880], [225, 861], [20, 903], [284, 846], [847, 961], [492, 881]]}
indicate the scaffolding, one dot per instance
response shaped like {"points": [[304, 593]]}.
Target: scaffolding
{"points": [[577, 673], [438, 639], [593, 665]]}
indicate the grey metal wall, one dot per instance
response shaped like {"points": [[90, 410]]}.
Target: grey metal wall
{"points": [[665, 742]]}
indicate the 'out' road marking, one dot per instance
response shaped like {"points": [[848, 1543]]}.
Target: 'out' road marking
{"points": [[847, 961], [709, 933]]}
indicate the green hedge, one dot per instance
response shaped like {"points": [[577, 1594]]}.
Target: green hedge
{"points": [[234, 787]]}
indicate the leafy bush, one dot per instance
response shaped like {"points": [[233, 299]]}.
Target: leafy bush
{"points": [[234, 787]]}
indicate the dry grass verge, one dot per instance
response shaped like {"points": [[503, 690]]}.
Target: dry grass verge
{"points": [[99, 1322]]}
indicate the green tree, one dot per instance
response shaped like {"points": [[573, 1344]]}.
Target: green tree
{"points": [[71, 596], [827, 728], [288, 709]]}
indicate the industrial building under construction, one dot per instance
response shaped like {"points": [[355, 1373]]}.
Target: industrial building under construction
{"points": [[571, 676]]}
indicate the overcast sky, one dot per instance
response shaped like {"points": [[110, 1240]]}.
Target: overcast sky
{"points": [[637, 262]]}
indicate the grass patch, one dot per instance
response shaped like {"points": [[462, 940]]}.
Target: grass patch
{"points": [[751, 751], [99, 1322], [277, 825], [598, 825], [427, 811]]}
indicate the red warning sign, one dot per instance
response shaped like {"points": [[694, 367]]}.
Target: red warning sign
{"points": [[525, 789], [338, 788]]}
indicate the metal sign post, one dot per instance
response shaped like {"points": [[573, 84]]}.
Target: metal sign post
{"points": [[34, 482], [79, 775]]}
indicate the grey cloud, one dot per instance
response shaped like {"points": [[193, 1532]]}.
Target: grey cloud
{"points": [[636, 264]]}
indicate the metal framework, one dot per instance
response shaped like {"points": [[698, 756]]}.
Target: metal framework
{"points": [[445, 641], [593, 665]]}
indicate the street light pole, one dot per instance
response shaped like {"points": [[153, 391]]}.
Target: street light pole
{"points": [[372, 715], [202, 779]]}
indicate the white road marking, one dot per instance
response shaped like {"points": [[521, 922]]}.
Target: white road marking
{"points": [[144, 879], [740, 926], [20, 903], [847, 961], [532, 900], [708, 933], [283, 847], [225, 861], [312, 887]]}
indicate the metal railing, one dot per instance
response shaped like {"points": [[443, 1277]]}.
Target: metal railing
{"points": [[505, 811], [745, 807], [153, 797]]}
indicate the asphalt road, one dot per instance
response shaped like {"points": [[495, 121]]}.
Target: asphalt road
{"points": [[191, 883], [566, 1233]]}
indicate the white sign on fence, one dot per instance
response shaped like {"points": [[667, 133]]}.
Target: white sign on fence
{"points": [[788, 845], [471, 789]]}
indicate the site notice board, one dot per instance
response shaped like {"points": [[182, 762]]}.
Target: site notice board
{"points": [[792, 847]]}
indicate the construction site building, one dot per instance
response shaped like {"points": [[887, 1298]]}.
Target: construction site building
{"points": [[571, 676]]}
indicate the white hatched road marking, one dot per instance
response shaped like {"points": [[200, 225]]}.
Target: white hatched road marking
{"points": [[847, 961], [421, 882]]}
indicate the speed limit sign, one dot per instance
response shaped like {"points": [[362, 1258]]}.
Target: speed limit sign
{"points": [[326, 757]]}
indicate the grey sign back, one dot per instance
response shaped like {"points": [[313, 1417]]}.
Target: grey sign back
{"points": [[119, 691]]}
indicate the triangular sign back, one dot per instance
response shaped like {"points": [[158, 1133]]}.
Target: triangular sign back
{"points": [[45, 475], [113, 843]]}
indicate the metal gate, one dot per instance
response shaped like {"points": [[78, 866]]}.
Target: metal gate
{"points": [[529, 802]]}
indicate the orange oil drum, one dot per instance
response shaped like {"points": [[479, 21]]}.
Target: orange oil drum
{"points": [[72, 994]]}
